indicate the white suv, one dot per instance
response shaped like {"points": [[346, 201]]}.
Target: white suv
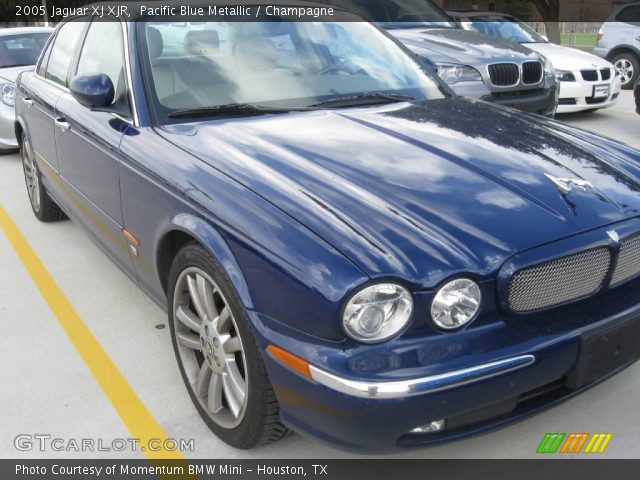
{"points": [[619, 42]]}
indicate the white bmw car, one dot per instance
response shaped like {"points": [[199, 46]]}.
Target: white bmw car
{"points": [[19, 51], [587, 82]]}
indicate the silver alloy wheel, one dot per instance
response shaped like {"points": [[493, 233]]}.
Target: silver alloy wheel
{"points": [[625, 70], [210, 347], [31, 175]]}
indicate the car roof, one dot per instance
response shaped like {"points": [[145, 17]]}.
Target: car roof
{"points": [[22, 30]]}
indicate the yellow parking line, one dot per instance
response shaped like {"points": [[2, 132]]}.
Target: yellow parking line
{"points": [[129, 407]]}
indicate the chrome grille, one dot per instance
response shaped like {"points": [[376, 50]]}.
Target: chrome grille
{"points": [[504, 74], [559, 281], [531, 73], [628, 261]]}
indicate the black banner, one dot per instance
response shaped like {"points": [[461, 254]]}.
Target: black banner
{"points": [[383, 11], [365, 468]]}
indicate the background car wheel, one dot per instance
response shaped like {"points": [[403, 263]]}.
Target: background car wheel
{"points": [[627, 68], [44, 208], [217, 353]]}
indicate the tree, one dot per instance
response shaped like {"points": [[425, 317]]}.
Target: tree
{"points": [[550, 13], [521, 9]]}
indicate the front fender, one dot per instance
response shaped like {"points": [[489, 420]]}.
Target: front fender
{"points": [[204, 233]]}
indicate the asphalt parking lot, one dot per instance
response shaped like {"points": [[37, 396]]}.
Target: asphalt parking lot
{"points": [[47, 387]]}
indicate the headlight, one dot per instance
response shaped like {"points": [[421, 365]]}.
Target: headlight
{"points": [[454, 73], [548, 66], [377, 313], [456, 304], [565, 76], [8, 94]]}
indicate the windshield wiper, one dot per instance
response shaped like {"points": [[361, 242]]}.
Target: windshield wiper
{"points": [[232, 109], [371, 98]]}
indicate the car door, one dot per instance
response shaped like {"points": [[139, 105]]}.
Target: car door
{"points": [[43, 91], [88, 142]]}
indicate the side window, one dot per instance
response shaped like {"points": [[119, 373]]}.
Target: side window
{"points": [[102, 52], [45, 59], [62, 52], [629, 15]]}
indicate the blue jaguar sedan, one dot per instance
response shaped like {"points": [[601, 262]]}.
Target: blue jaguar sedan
{"points": [[344, 247]]}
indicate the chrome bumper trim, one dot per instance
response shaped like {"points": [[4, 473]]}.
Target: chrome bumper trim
{"points": [[419, 386]]}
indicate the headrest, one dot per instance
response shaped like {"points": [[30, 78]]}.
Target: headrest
{"points": [[201, 42], [154, 42]]}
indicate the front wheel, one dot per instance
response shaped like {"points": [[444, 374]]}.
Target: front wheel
{"points": [[44, 208], [217, 353]]}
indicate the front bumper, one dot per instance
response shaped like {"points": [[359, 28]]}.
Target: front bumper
{"points": [[452, 377], [542, 99], [578, 96], [8, 140]]}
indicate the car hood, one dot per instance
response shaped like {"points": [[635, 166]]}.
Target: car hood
{"points": [[12, 73], [461, 46], [567, 58], [420, 191]]}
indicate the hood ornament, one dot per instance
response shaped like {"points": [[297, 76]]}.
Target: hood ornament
{"points": [[613, 235], [565, 185]]}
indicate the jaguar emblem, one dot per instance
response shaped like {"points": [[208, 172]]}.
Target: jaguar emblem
{"points": [[613, 235], [565, 185]]}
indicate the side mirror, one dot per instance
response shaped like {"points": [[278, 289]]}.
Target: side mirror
{"points": [[93, 90]]}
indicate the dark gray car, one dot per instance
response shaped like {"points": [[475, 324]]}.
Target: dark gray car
{"points": [[472, 64]]}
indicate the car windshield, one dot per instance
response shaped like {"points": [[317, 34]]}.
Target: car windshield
{"points": [[276, 65], [21, 49], [393, 14], [505, 28]]}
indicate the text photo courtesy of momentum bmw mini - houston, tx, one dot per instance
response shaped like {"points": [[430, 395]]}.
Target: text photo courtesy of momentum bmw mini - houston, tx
{"points": [[254, 238]]}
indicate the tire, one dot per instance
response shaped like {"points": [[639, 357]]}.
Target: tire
{"points": [[216, 349], [628, 68], [44, 208]]}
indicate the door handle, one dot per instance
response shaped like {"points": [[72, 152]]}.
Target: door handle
{"points": [[62, 124], [28, 101]]}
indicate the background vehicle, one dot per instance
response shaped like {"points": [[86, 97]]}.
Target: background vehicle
{"points": [[473, 64], [19, 51], [587, 82], [619, 42], [636, 93], [343, 247]]}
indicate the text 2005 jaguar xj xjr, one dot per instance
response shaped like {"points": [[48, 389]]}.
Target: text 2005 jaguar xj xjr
{"points": [[344, 248]]}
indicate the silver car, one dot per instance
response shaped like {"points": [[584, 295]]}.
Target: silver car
{"points": [[472, 64], [619, 42], [19, 51]]}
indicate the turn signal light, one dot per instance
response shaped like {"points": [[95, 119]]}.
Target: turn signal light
{"points": [[290, 360]]}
